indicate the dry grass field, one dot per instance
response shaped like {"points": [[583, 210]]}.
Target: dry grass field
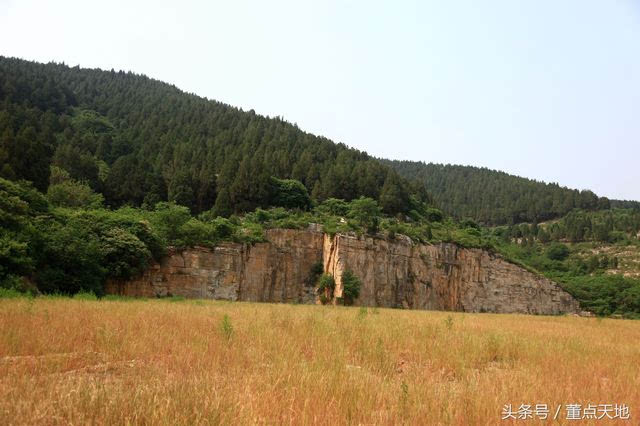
{"points": [[65, 361]]}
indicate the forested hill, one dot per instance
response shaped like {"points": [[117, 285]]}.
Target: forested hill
{"points": [[497, 198], [139, 141]]}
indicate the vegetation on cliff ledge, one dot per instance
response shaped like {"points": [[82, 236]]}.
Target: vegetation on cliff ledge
{"points": [[53, 245], [51, 248]]}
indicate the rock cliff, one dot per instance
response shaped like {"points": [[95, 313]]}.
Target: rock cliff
{"points": [[394, 273]]}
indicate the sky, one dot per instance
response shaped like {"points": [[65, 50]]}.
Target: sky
{"points": [[544, 89]]}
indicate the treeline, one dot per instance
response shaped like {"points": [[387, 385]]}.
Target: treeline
{"points": [[138, 141], [608, 226], [497, 198]]}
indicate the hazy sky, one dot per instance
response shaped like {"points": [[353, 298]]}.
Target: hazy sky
{"points": [[544, 89]]}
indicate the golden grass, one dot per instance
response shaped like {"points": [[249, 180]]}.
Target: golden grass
{"points": [[68, 361]]}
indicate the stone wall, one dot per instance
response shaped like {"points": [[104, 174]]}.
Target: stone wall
{"points": [[394, 273]]}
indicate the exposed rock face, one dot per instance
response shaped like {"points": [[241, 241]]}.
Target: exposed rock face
{"points": [[445, 277], [394, 273]]}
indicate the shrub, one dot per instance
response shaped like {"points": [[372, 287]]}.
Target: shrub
{"points": [[334, 207], [616, 236], [168, 218], [259, 215], [250, 233], [350, 287], [558, 251], [206, 231], [11, 293], [195, 232], [366, 212], [222, 228], [123, 254], [326, 282], [325, 287], [434, 215], [69, 259], [15, 261], [469, 223]]}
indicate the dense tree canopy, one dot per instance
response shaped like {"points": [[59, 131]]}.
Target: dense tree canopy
{"points": [[497, 198], [607, 226], [139, 141]]}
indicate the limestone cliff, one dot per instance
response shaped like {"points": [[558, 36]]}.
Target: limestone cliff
{"points": [[394, 273]]}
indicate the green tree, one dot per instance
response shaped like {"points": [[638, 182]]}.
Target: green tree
{"points": [[223, 206], [366, 212], [169, 219], [394, 198], [290, 194], [350, 287], [123, 254], [71, 193], [180, 190], [70, 259], [325, 288], [334, 206]]}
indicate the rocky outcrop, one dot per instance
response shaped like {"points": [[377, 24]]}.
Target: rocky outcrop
{"points": [[394, 273], [399, 273]]}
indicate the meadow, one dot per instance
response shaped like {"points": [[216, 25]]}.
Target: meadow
{"points": [[170, 361]]}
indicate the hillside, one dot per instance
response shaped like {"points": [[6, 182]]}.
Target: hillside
{"points": [[496, 198], [139, 141], [594, 255], [102, 173]]}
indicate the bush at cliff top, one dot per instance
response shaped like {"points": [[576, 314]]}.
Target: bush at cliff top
{"points": [[333, 206], [366, 212]]}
